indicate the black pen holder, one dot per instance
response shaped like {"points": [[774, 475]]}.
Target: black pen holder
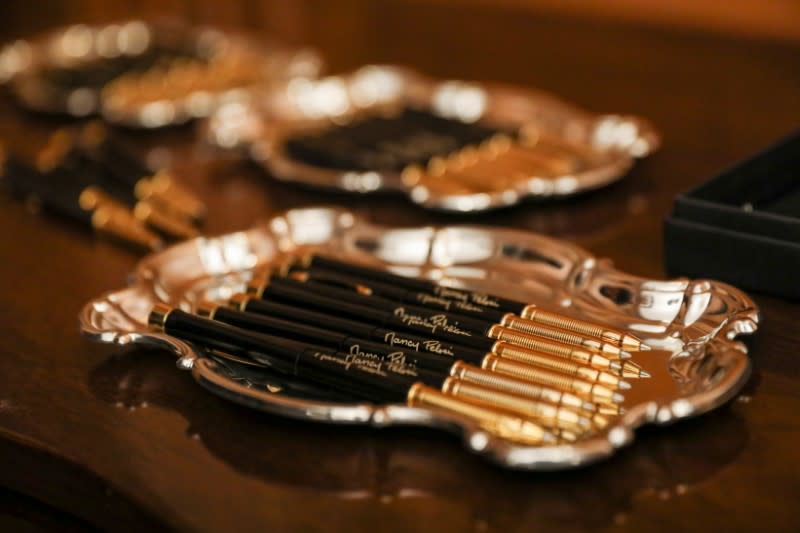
{"points": [[742, 226]]}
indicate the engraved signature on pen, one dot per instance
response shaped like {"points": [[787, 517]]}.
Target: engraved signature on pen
{"points": [[431, 346], [431, 299], [448, 304], [432, 323], [465, 297], [395, 362]]}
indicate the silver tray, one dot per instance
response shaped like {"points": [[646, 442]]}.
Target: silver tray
{"points": [[691, 325], [604, 145], [25, 63]]}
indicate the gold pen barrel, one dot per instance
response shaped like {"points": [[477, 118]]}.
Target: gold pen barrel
{"points": [[502, 147], [114, 219], [553, 333], [534, 358], [592, 391], [163, 190], [574, 353], [547, 414], [502, 424], [532, 312], [147, 213], [516, 386]]}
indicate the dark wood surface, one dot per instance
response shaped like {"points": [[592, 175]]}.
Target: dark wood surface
{"points": [[124, 441]]}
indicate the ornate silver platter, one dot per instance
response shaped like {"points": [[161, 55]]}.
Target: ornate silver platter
{"points": [[695, 362], [115, 70], [591, 150]]}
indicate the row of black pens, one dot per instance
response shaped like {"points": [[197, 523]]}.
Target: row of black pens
{"points": [[514, 369]]}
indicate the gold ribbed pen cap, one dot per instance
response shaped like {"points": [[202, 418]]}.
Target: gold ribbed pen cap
{"points": [[150, 214], [583, 327], [499, 423], [592, 391], [112, 218], [518, 387], [534, 358], [163, 190], [566, 337], [547, 414], [573, 353]]}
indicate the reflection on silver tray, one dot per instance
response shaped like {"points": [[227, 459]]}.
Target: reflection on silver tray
{"points": [[695, 362], [600, 147], [206, 72]]}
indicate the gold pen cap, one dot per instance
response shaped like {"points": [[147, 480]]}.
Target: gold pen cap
{"points": [[519, 387], [148, 213], [496, 422], [112, 218], [165, 189], [592, 391], [560, 335], [583, 327], [534, 358], [544, 413]]}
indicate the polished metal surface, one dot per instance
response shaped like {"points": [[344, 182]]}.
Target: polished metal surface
{"points": [[218, 66], [593, 150], [691, 326]]}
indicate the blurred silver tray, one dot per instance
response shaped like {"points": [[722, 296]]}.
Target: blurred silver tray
{"points": [[691, 325], [159, 95], [598, 148]]}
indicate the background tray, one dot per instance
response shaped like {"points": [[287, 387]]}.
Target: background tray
{"points": [[606, 144], [28, 67]]}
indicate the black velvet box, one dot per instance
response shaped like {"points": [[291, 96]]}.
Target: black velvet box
{"points": [[743, 226]]}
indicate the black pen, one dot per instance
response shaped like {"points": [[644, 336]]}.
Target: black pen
{"points": [[436, 326], [73, 162], [159, 187], [399, 295], [471, 331], [480, 304], [367, 376], [80, 201], [444, 365]]}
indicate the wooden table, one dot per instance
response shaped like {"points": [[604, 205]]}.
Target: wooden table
{"points": [[91, 437]]}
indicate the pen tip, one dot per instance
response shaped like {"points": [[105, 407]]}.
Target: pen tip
{"points": [[624, 355], [584, 422], [644, 348], [644, 374], [614, 365], [589, 406], [617, 398], [624, 385]]}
